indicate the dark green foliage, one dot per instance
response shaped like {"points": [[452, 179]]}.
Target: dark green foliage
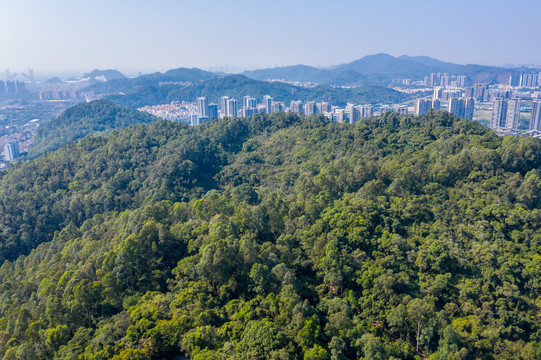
{"points": [[398, 237], [85, 119]]}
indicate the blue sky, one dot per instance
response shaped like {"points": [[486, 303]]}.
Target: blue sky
{"points": [[135, 35]]}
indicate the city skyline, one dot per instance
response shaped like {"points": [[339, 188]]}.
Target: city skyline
{"points": [[142, 36]]}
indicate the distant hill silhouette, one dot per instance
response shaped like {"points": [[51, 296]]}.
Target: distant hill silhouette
{"points": [[381, 69], [193, 75]]}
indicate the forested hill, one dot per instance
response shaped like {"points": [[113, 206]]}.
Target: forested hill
{"points": [[82, 120], [193, 75], [237, 86], [279, 237]]}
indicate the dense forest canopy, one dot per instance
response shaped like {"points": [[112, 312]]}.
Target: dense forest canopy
{"points": [[279, 237], [78, 121]]}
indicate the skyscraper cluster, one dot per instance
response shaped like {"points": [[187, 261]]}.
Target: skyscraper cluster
{"points": [[445, 80], [12, 87], [529, 80]]}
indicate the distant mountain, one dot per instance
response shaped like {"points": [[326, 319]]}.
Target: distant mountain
{"points": [[193, 75], [426, 60], [381, 69], [382, 65], [53, 80], [104, 75], [237, 86], [84, 119]]}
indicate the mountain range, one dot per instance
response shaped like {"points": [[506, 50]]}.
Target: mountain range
{"points": [[378, 69]]}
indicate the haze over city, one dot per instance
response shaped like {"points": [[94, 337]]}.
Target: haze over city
{"points": [[64, 36]]}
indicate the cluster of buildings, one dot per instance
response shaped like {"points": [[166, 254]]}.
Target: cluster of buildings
{"points": [[60, 95], [250, 106], [12, 88], [18, 142], [176, 111], [506, 116], [528, 80], [460, 106], [445, 80]]}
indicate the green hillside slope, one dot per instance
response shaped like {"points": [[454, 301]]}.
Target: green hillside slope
{"points": [[282, 237], [82, 120]]}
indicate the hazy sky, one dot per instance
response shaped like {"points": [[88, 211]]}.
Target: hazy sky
{"points": [[133, 35]]}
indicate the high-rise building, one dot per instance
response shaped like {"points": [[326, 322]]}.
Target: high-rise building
{"points": [[232, 107], [514, 80], [438, 91], [513, 114], [452, 93], [11, 151], [528, 80], [212, 111], [366, 110], [435, 79], [385, 109], [499, 113], [309, 108], [245, 102], [202, 106], [480, 92], [223, 105], [296, 106], [469, 106], [194, 120], [267, 101], [339, 116], [469, 92], [535, 120], [456, 106], [461, 80], [250, 103], [445, 80], [323, 107], [435, 104], [401, 109], [277, 106], [422, 106], [352, 113]]}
